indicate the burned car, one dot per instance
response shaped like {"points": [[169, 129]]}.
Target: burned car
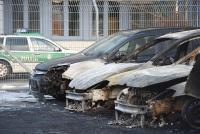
{"points": [[191, 107], [47, 76], [90, 88], [154, 94]]}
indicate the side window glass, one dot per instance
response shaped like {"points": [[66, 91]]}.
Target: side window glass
{"points": [[17, 44], [172, 53], [193, 44], [124, 48], [185, 48], [150, 52], [1, 42], [42, 45], [135, 43], [175, 53]]}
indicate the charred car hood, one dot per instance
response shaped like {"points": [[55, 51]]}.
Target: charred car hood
{"points": [[114, 79], [80, 67], [69, 59], [94, 76], [155, 75]]}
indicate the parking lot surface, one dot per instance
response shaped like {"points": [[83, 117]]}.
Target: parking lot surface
{"points": [[21, 113]]}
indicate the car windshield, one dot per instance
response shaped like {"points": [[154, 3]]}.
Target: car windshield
{"points": [[146, 52], [105, 45]]}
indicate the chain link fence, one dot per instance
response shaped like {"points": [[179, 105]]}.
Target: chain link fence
{"points": [[34, 31]]}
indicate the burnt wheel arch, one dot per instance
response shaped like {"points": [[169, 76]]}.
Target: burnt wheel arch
{"points": [[191, 112]]}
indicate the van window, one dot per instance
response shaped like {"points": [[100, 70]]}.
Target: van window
{"points": [[1, 42], [17, 44], [42, 45]]}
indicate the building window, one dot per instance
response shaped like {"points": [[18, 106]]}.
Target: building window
{"points": [[17, 15], [74, 18], [167, 13], [58, 17], [113, 17], [34, 15], [142, 17], [101, 14], [135, 17]]}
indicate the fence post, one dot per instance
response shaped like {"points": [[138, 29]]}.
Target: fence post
{"points": [[97, 18], [186, 12]]}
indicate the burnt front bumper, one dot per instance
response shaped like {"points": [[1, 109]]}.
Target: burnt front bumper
{"points": [[37, 82], [126, 108], [83, 98]]}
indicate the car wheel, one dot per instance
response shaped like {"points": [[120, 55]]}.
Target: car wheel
{"points": [[5, 69], [191, 113]]}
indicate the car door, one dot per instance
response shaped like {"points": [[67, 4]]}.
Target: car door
{"points": [[19, 47], [44, 50]]}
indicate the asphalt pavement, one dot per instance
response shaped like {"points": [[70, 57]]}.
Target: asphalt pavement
{"points": [[21, 113]]}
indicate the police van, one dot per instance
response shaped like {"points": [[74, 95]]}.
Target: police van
{"points": [[30, 49]]}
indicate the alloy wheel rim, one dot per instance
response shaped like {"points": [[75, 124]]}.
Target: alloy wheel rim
{"points": [[3, 70]]}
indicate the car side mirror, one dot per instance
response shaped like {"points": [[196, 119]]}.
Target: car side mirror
{"points": [[117, 56], [120, 54]]}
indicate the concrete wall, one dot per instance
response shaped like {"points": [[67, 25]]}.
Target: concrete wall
{"points": [[75, 45]]}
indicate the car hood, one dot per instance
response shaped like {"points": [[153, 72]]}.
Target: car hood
{"points": [[94, 76], [114, 79], [155, 75], [80, 67], [69, 59]]}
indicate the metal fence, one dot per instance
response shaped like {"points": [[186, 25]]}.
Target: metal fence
{"points": [[76, 24]]}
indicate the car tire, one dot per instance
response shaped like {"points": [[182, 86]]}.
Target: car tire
{"points": [[5, 69], [191, 113]]}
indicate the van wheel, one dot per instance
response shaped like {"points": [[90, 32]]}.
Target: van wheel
{"points": [[5, 69], [191, 113]]}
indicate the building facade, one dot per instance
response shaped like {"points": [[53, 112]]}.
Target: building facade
{"points": [[74, 21]]}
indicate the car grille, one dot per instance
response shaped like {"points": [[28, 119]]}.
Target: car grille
{"points": [[34, 85]]}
